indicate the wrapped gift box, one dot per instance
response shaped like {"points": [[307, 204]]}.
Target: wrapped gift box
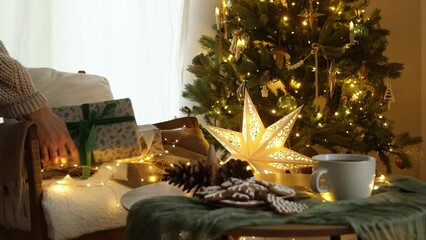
{"points": [[116, 129]]}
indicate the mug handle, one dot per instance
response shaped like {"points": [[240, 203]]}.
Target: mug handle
{"points": [[315, 177]]}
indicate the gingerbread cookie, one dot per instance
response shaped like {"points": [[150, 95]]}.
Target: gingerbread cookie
{"points": [[285, 207], [215, 196], [245, 204], [206, 190], [282, 191]]}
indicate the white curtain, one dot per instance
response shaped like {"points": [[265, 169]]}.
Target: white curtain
{"points": [[135, 44]]}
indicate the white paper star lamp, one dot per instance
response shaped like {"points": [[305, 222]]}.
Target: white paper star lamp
{"points": [[262, 148]]}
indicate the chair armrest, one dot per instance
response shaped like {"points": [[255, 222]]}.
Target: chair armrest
{"points": [[189, 122], [33, 166]]}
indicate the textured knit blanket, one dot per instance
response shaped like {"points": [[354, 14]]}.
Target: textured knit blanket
{"points": [[395, 211]]}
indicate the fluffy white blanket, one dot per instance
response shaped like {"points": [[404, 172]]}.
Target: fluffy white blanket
{"points": [[74, 209]]}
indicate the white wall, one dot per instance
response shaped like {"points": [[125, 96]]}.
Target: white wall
{"points": [[403, 19]]}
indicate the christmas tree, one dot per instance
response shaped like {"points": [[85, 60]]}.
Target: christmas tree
{"points": [[326, 55]]}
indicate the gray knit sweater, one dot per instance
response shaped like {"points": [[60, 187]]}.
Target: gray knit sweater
{"points": [[18, 96]]}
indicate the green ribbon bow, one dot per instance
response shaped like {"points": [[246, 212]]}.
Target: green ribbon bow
{"points": [[86, 131]]}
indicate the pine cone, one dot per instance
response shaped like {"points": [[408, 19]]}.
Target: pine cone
{"points": [[190, 176], [234, 169]]}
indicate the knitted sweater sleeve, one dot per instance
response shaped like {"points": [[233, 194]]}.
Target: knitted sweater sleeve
{"points": [[18, 96]]}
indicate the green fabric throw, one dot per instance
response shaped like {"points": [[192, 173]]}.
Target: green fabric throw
{"points": [[394, 211], [86, 131]]}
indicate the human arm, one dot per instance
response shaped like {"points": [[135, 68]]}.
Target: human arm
{"points": [[20, 99]]}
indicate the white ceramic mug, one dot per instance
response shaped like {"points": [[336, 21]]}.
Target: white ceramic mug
{"points": [[346, 176]]}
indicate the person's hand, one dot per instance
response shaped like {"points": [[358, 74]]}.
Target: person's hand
{"points": [[54, 138]]}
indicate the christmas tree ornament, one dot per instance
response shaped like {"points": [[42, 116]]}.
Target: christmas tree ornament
{"points": [[276, 85], [229, 3], [245, 38], [218, 16], [279, 55], [310, 14], [238, 49], [389, 97], [351, 33], [286, 103], [360, 30], [262, 147], [319, 104], [264, 91], [399, 163], [241, 91], [233, 45]]}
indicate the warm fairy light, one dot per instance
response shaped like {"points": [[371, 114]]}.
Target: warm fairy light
{"points": [[347, 111], [332, 8], [375, 187], [285, 18], [166, 151], [59, 188], [319, 116], [293, 3], [152, 178], [305, 23], [327, 196], [382, 177], [380, 116], [385, 124], [248, 74], [299, 116], [117, 164], [319, 125], [61, 182], [295, 84], [88, 185], [336, 114], [297, 134], [273, 111], [188, 163], [229, 111], [230, 57]]}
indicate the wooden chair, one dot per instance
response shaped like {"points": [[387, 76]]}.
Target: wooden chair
{"points": [[34, 180]]}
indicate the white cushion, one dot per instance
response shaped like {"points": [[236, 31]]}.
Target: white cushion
{"points": [[68, 89]]}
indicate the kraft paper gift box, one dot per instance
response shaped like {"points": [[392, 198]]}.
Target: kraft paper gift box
{"points": [[108, 130]]}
